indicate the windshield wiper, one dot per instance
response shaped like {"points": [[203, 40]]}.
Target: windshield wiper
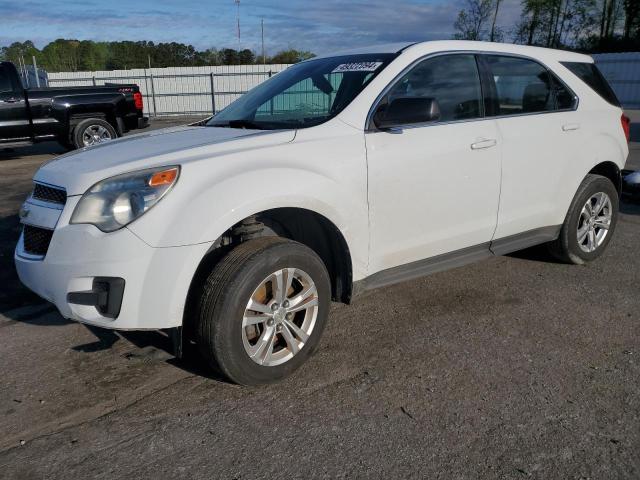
{"points": [[244, 124]]}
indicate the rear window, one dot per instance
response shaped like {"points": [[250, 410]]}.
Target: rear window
{"points": [[5, 79], [589, 74]]}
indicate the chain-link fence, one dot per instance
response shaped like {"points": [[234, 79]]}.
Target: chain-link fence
{"points": [[188, 91]]}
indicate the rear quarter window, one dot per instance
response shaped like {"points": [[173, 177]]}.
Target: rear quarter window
{"points": [[589, 74]]}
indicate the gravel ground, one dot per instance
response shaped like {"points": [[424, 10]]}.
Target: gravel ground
{"points": [[516, 367]]}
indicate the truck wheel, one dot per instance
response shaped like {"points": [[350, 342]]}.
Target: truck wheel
{"points": [[262, 310], [92, 131], [590, 222]]}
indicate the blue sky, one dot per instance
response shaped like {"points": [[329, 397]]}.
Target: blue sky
{"points": [[321, 26]]}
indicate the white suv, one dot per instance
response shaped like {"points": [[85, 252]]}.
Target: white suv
{"points": [[340, 174]]}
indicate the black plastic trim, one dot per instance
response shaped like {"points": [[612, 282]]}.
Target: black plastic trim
{"points": [[422, 268], [513, 243], [106, 295], [456, 259]]}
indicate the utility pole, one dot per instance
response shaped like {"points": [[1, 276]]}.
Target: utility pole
{"points": [[238, 19], [264, 59]]}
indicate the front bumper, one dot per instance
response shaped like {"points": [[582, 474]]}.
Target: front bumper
{"points": [[156, 280]]}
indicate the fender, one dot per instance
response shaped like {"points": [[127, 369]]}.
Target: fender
{"points": [[599, 149], [111, 104], [206, 202]]}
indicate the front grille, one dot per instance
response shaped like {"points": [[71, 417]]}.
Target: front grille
{"points": [[49, 194], [36, 240]]}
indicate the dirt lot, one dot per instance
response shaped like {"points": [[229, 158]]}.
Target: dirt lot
{"points": [[516, 367]]}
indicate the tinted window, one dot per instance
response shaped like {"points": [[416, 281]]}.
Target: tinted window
{"points": [[306, 94], [452, 80], [590, 75], [523, 86], [565, 99], [5, 80], [311, 99]]}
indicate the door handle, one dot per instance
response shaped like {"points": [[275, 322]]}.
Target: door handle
{"points": [[570, 126], [484, 144], [11, 100]]}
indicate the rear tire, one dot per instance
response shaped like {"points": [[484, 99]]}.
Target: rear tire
{"points": [[268, 342], [92, 131], [590, 222]]}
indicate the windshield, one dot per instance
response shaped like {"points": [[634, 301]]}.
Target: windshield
{"points": [[305, 94]]}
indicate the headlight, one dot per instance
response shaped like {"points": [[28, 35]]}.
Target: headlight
{"points": [[117, 201]]}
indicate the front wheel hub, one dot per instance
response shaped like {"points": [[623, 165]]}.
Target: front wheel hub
{"points": [[279, 317]]}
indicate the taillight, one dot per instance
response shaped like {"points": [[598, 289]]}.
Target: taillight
{"points": [[137, 100], [626, 126]]}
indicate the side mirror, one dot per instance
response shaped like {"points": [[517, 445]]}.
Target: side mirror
{"points": [[407, 111]]}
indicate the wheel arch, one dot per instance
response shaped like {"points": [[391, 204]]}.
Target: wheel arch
{"points": [[70, 111], [108, 115], [308, 227], [611, 171]]}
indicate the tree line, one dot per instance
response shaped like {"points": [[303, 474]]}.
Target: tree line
{"points": [[86, 55], [585, 25]]}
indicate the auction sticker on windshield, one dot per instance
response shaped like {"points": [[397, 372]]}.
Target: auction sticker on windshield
{"points": [[357, 67]]}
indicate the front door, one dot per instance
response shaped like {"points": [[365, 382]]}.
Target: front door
{"points": [[434, 188], [14, 122]]}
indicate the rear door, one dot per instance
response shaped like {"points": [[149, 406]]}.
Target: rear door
{"points": [[434, 187], [14, 121], [540, 128]]}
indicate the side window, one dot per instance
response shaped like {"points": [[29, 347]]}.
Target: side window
{"points": [[565, 99], [5, 80], [315, 97], [452, 80], [309, 98], [590, 74], [523, 86]]}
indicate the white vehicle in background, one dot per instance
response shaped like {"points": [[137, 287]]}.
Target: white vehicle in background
{"points": [[340, 174]]}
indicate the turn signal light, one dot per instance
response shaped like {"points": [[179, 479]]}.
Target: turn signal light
{"points": [[166, 177]]}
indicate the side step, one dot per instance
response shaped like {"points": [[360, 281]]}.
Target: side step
{"points": [[17, 144]]}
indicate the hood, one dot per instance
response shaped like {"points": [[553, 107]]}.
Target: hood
{"points": [[77, 171]]}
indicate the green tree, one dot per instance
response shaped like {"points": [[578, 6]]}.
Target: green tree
{"points": [[61, 56], [20, 50], [210, 56], [291, 56], [555, 23], [73, 55], [472, 20], [496, 34], [246, 57], [632, 19], [229, 56]]}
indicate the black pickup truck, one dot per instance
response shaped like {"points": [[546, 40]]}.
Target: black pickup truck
{"points": [[75, 116]]}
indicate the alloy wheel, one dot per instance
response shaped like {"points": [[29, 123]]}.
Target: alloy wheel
{"points": [[95, 134], [594, 222], [279, 317]]}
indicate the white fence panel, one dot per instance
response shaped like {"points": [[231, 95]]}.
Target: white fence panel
{"points": [[622, 71], [179, 90]]}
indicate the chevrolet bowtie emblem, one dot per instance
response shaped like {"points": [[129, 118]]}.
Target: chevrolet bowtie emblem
{"points": [[24, 212]]}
